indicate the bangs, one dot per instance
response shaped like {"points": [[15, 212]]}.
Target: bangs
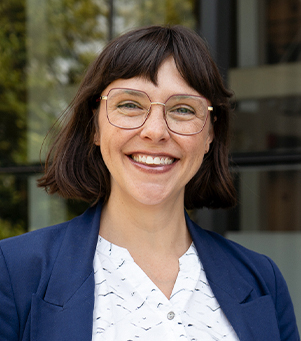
{"points": [[141, 53]]}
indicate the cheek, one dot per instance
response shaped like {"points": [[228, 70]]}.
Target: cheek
{"points": [[196, 152], [105, 147], [197, 147], [111, 145], [104, 141], [102, 119]]}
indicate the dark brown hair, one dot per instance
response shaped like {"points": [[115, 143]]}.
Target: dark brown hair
{"points": [[74, 166]]}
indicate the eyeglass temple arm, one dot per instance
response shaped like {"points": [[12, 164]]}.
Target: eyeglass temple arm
{"points": [[102, 97]]}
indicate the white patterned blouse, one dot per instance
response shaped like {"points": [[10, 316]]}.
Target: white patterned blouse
{"points": [[129, 306]]}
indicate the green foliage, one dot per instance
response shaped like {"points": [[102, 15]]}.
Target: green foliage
{"points": [[133, 13], [8, 230], [12, 82], [13, 192]]}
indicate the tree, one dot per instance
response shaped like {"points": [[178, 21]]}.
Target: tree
{"points": [[134, 13]]}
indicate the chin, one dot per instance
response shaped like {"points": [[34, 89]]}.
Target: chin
{"points": [[151, 201], [155, 197]]}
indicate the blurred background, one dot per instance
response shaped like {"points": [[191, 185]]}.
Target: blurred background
{"points": [[46, 45]]}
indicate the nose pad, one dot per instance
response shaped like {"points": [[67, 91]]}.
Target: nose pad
{"points": [[155, 126]]}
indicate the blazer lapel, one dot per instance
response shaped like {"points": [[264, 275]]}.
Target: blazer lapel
{"points": [[72, 321], [65, 310], [249, 315]]}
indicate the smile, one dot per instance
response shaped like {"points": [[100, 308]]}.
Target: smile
{"points": [[153, 160]]}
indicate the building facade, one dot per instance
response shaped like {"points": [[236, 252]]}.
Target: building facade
{"points": [[45, 46]]}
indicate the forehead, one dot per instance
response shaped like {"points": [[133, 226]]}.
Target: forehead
{"points": [[169, 82]]}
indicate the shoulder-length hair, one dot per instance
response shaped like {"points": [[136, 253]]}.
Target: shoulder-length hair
{"points": [[74, 166]]}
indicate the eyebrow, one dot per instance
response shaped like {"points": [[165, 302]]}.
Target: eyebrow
{"points": [[132, 92]]}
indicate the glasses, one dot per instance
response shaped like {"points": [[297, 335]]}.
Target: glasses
{"points": [[183, 114]]}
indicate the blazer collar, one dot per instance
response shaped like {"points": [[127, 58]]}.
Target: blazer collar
{"points": [[248, 313], [64, 309], [74, 263], [219, 270]]}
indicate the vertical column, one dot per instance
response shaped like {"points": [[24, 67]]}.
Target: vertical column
{"points": [[248, 56], [43, 209], [248, 25], [215, 27], [111, 19], [249, 200], [209, 24]]}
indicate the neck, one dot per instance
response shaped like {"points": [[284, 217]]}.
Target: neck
{"points": [[141, 228]]}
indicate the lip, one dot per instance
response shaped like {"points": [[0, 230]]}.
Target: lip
{"points": [[153, 168]]}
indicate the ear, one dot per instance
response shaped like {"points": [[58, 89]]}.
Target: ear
{"points": [[96, 139], [209, 138], [96, 135]]}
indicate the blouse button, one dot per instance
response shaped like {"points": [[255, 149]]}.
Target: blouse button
{"points": [[171, 315]]}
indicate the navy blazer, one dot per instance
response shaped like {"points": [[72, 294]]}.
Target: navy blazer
{"points": [[47, 284]]}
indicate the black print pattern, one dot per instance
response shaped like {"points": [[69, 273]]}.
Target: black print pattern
{"points": [[129, 306]]}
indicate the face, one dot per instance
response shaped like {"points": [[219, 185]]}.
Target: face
{"points": [[151, 165]]}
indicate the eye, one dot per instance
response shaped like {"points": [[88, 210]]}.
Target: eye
{"points": [[129, 106], [182, 110]]}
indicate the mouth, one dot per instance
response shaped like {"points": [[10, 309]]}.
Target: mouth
{"points": [[152, 160]]}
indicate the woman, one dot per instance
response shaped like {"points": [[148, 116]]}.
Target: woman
{"points": [[146, 136]]}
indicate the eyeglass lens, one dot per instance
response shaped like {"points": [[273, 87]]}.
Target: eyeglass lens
{"points": [[129, 109]]}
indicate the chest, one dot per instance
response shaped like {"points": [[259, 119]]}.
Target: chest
{"points": [[128, 304]]}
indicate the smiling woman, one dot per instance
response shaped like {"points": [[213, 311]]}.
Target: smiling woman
{"points": [[135, 55], [124, 150], [145, 137]]}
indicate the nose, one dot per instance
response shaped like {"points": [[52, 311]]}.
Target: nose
{"points": [[155, 127]]}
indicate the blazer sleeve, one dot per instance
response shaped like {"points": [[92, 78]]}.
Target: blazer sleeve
{"points": [[284, 307], [9, 322]]}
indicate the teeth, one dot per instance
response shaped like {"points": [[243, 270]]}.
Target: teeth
{"points": [[157, 161], [149, 160]]}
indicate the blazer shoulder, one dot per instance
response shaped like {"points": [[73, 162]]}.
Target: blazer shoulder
{"points": [[33, 242], [28, 263], [30, 257], [42, 240], [265, 277], [217, 251], [244, 258], [25, 266], [258, 269]]}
